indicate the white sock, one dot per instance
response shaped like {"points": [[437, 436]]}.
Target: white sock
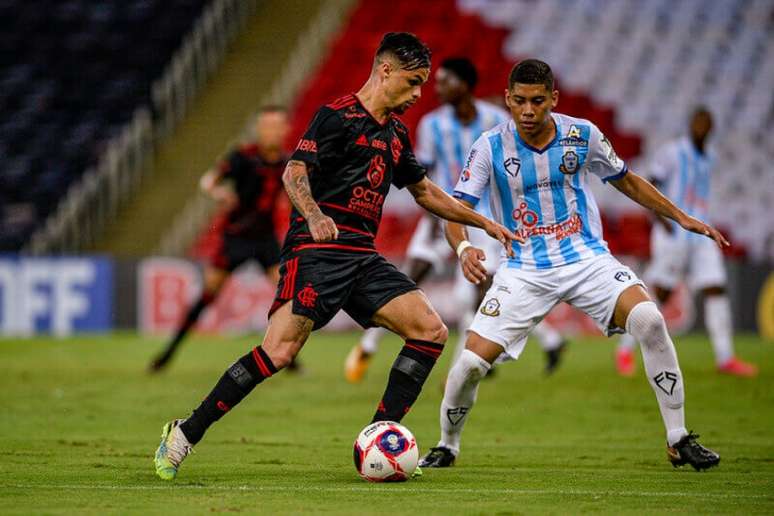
{"points": [[646, 324], [627, 342], [548, 337], [717, 318], [371, 338], [459, 397]]}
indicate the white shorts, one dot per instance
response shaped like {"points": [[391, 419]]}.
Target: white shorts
{"points": [[430, 245], [693, 258], [519, 299]]}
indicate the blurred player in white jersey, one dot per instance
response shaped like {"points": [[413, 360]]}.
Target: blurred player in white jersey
{"points": [[682, 170], [444, 137], [536, 168]]}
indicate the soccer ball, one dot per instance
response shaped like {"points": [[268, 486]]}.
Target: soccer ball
{"points": [[386, 451]]}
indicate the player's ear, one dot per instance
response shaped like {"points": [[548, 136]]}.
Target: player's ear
{"points": [[507, 97], [554, 98]]}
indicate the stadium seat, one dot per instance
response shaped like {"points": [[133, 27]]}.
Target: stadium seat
{"points": [[66, 90]]}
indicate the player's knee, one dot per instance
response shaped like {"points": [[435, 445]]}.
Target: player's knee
{"points": [[646, 323], [435, 330], [471, 367], [281, 356]]}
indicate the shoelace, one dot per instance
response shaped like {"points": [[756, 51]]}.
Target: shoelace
{"points": [[701, 450], [177, 451]]}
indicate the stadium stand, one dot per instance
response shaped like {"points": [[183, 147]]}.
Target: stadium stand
{"points": [[350, 58], [657, 60], [70, 88]]}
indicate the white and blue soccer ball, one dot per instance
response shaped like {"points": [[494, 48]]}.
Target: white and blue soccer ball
{"points": [[386, 451]]}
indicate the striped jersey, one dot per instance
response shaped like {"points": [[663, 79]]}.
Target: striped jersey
{"points": [[443, 142], [683, 175], [543, 194]]}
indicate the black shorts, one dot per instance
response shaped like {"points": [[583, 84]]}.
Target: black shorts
{"points": [[322, 282], [236, 250]]}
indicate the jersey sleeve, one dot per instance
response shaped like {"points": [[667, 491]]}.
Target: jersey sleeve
{"points": [[408, 170], [320, 138], [474, 178], [229, 166], [425, 150], [603, 161]]}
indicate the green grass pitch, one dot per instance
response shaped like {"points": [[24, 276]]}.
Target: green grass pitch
{"points": [[81, 420]]}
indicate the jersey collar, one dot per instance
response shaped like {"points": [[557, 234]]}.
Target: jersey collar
{"points": [[535, 149]]}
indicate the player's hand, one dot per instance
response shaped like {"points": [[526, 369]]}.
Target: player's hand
{"points": [[322, 228], [472, 267], [503, 235], [696, 226], [226, 198]]}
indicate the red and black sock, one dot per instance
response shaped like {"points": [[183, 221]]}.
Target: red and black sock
{"points": [[407, 376], [235, 384]]}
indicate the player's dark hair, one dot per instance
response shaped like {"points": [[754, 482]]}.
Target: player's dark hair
{"points": [[408, 49], [463, 68], [700, 110], [532, 71]]}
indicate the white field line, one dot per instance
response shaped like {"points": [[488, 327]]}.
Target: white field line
{"points": [[391, 489]]}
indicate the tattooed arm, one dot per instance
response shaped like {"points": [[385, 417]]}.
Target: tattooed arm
{"points": [[296, 181]]}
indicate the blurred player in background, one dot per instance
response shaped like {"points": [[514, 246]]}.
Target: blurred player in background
{"points": [[443, 139], [337, 179], [682, 170], [536, 168], [247, 184]]}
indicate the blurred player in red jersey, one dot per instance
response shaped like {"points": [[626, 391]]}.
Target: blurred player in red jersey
{"points": [[247, 184]]}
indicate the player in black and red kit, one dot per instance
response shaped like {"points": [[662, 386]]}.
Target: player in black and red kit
{"points": [[337, 179], [247, 184]]}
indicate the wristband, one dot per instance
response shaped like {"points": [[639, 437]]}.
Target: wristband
{"points": [[463, 245]]}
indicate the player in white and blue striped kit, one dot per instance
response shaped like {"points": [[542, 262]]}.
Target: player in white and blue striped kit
{"points": [[444, 137], [536, 168], [682, 169]]}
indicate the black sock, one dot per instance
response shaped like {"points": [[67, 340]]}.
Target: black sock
{"points": [[233, 386], [190, 319], [408, 374]]}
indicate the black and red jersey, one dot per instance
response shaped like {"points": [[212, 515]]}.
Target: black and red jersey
{"points": [[352, 159], [258, 184]]}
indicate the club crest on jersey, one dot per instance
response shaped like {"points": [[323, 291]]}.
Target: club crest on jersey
{"points": [[569, 163], [622, 276], [375, 172], [307, 296], [491, 307], [465, 176], [512, 166], [455, 415]]}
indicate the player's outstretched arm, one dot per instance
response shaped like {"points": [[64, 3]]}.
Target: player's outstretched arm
{"points": [[645, 194], [296, 181], [432, 198], [471, 258], [212, 184]]}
